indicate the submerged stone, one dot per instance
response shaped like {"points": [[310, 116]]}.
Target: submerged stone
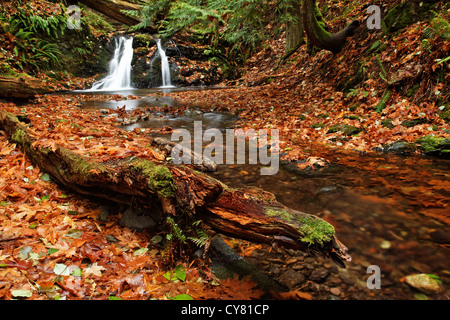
{"points": [[424, 283]]}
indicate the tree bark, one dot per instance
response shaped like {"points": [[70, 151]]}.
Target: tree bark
{"points": [[249, 213], [294, 28], [317, 34], [112, 9], [22, 87]]}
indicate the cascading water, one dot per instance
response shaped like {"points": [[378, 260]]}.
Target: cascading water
{"points": [[165, 67], [119, 76]]}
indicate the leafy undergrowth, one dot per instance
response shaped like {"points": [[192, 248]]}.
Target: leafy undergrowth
{"points": [[37, 43], [337, 100], [57, 245]]}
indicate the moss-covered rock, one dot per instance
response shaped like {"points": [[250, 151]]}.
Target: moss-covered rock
{"points": [[398, 17], [387, 123], [435, 146], [445, 114], [346, 129], [413, 122], [143, 40], [405, 14]]}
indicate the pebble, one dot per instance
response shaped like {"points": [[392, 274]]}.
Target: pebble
{"points": [[335, 291], [298, 266], [424, 283], [385, 244], [440, 236], [346, 279], [292, 278], [319, 274]]}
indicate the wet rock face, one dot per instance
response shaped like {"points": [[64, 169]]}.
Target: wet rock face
{"points": [[189, 66], [400, 147]]}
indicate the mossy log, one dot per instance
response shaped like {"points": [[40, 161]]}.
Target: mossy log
{"points": [[22, 87], [114, 10], [246, 213]]}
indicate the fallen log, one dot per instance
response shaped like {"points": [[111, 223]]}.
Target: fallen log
{"points": [[114, 10], [246, 213], [22, 87]]}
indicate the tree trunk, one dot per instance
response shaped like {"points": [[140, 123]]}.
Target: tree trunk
{"points": [[317, 34], [112, 9], [294, 28], [249, 213], [22, 87]]}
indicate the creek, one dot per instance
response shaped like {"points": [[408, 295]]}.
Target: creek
{"points": [[389, 210]]}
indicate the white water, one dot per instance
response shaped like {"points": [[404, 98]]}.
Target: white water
{"points": [[165, 67], [119, 75]]}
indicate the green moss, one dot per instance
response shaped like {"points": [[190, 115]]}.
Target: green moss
{"points": [[413, 122], [97, 22], [160, 179], [440, 26], [6, 69], [398, 17], [445, 113], [346, 129], [352, 117], [320, 25], [316, 230], [412, 91], [445, 116], [436, 146], [387, 123], [349, 130], [18, 136], [334, 128], [313, 229], [80, 166], [318, 125], [281, 214]]}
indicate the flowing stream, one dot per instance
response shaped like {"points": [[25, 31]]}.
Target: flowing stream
{"points": [[391, 211]]}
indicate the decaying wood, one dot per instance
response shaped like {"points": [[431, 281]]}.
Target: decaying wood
{"points": [[247, 213], [199, 162], [22, 87], [113, 9]]}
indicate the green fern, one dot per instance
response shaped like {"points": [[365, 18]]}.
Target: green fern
{"points": [[179, 237], [241, 22]]}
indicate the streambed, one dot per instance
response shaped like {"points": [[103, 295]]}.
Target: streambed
{"points": [[391, 211]]}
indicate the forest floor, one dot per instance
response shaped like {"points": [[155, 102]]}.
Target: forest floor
{"points": [[302, 99], [58, 245]]}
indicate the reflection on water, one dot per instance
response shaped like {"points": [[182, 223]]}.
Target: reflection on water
{"points": [[144, 92], [131, 104], [390, 211]]}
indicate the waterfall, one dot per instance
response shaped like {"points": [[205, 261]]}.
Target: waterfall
{"points": [[119, 75], [165, 67]]}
